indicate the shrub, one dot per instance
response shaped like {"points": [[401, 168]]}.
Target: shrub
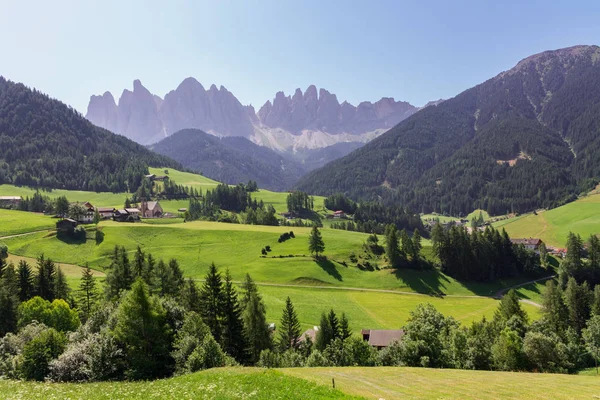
{"points": [[38, 353], [269, 359], [317, 359], [207, 355], [56, 315]]}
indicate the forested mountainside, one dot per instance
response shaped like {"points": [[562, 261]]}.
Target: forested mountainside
{"points": [[527, 138], [45, 143], [230, 159]]}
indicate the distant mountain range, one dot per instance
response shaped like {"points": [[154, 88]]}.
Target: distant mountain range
{"points": [[306, 120], [527, 138]]}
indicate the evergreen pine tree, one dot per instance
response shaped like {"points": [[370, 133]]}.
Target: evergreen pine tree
{"points": [[189, 296], [392, 249], [88, 293], [596, 301], [211, 302], [234, 342], [256, 330], [578, 301], [177, 278], [554, 308], [315, 242], [44, 279], [289, 327], [139, 263], [324, 334], [334, 324], [25, 276], [509, 307], [345, 331], [61, 287], [8, 310], [416, 246]]}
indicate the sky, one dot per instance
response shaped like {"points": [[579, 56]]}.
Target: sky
{"points": [[414, 51]]}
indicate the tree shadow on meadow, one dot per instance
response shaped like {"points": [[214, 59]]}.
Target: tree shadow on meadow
{"points": [[329, 267], [430, 282]]}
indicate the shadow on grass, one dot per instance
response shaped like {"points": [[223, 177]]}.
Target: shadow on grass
{"points": [[329, 267], [71, 238], [427, 282]]}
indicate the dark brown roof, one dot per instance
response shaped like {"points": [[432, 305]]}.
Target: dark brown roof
{"points": [[105, 209], [383, 338]]}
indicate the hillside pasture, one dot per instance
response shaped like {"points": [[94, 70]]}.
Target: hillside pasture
{"points": [[426, 383], [553, 226], [19, 222]]}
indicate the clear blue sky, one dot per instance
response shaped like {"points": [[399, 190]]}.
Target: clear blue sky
{"points": [[361, 50]]}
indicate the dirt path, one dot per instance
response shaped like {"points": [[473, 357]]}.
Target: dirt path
{"points": [[24, 234], [501, 292]]}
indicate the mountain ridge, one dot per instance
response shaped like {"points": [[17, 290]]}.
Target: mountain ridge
{"points": [[450, 158], [305, 120]]}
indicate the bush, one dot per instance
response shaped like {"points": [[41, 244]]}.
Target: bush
{"points": [[269, 359], [56, 315], [94, 358], [207, 355], [317, 359], [38, 353]]}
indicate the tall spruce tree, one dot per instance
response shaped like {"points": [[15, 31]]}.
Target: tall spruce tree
{"points": [[289, 327], [315, 242], [25, 276], [416, 246], [256, 329], [211, 301], [119, 276], [8, 311], [325, 334], [392, 248], [189, 296], [345, 331], [554, 308], [509, 307], [234, 341], [87, 292], [334, 323], [578, 301], [44, 279], [61, 287], [139, 263]]}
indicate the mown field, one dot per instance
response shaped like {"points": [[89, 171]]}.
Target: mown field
{"points": [[217, 384], [374, 310], [553, 226], [425, 383], [316, 383]]}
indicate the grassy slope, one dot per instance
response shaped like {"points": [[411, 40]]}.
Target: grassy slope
{"points": [[237, 247], [16, 222], [374, 310], [225, 383], [553, 226], [424, 383], [102, 199], [277, 199]]}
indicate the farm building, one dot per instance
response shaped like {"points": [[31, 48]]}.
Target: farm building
{"points": [[530, 244], [105, 212], [339, 215], [10, 201], [381, 338], [126, 215], [66, 225], [310, 333]]}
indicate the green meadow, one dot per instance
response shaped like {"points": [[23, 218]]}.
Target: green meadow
{"points": [[316, 383], [217, 384], [426, 383], [553, 226]]}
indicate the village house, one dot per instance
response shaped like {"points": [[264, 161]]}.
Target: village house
{"points": [[10, 201], [151, 209], [381, 338], [126, 215], [530, 244], [339, 215], [105, 212]]}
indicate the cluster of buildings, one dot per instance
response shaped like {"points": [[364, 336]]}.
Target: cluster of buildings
{"points": [[377, 338], [147, 209]]}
